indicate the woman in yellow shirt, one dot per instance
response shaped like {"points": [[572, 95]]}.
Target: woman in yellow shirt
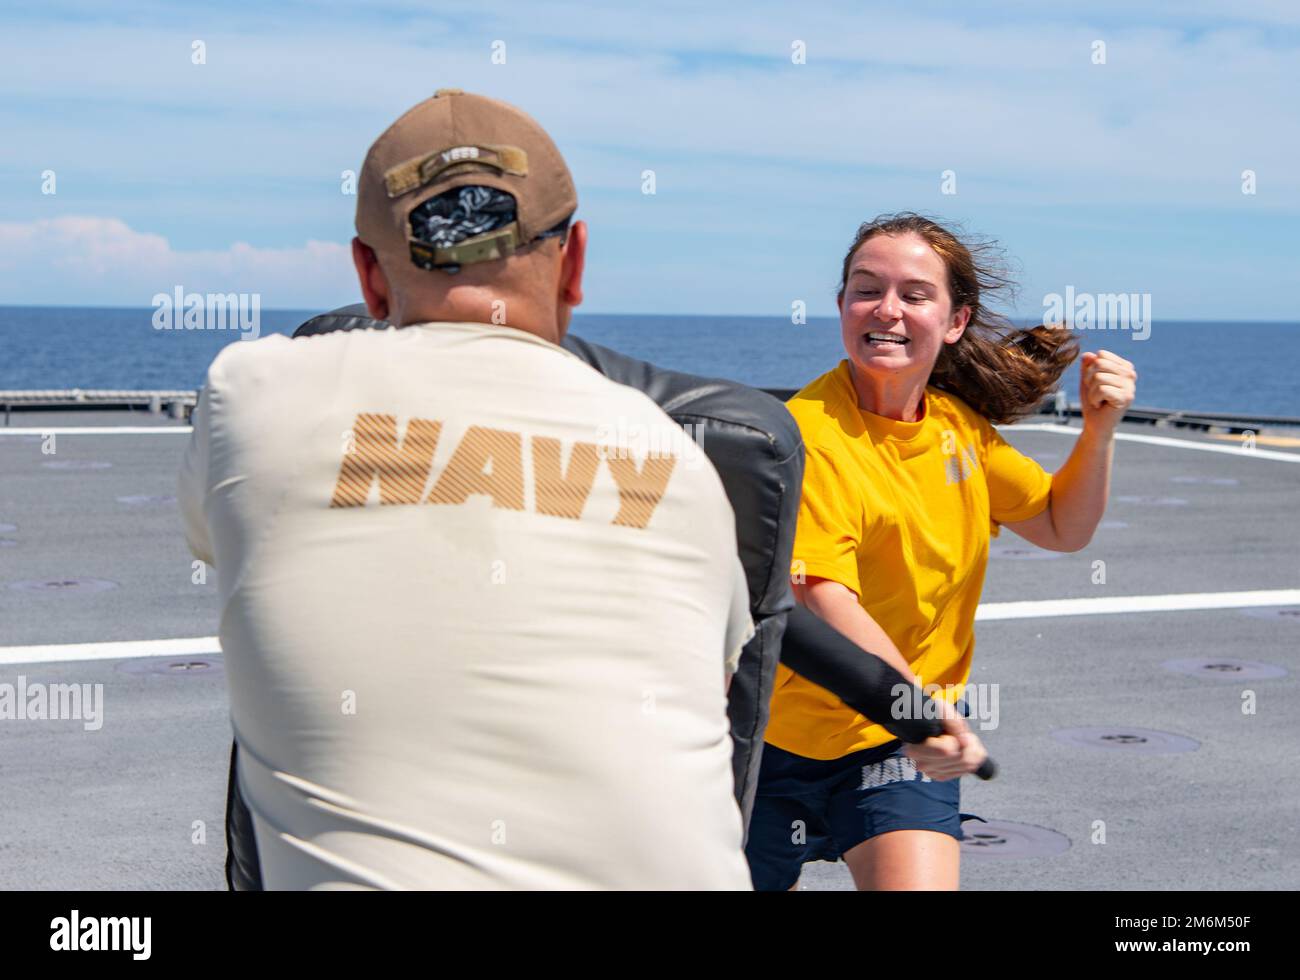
{"points": [[905, 479]]}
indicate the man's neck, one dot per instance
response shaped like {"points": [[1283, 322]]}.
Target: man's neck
{"points": [[497, 312]]}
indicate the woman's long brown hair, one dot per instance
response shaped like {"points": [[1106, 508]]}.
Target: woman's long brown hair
{"points": [[1000, 370]]}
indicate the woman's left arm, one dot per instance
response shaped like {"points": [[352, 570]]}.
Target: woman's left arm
{"points": [[1107, 386]]}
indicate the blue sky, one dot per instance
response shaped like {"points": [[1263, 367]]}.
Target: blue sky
{"points": [[225, 176]]}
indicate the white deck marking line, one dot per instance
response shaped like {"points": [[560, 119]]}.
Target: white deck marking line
{"points": [[1040, 608], [1163, 441], [141, 430], [120, 650], [1102, 605], [102, 430]]}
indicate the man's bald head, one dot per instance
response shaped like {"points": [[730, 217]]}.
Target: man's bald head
{"points": [[462, 210]]}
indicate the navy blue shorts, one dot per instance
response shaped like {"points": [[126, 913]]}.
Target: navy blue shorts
{"points": [[815, 810]]}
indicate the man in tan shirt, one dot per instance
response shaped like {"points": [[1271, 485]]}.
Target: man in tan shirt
{"points": [[472, 640]]}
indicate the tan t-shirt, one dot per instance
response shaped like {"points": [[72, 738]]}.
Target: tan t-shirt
{"points": [[476, 603]]}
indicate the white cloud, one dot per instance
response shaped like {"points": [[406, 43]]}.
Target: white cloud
{"points": [[1172, 115], [763, 167], [106, 259]]}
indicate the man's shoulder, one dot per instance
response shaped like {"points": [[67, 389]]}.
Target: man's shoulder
{"points": [[280, 367], [244, 355], [294, 359]]}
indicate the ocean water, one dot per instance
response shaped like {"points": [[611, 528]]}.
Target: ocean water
{"points": [[1223, 367]]}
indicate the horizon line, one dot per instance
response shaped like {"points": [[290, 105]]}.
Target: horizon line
{"points": [[581, 313]]}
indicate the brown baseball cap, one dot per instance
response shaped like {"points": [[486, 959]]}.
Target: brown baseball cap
{"points": [[449, 141]]}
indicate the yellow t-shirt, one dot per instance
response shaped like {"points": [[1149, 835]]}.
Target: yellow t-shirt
{"points": [[901, 513]]}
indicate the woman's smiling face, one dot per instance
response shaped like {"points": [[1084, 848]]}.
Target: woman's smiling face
{"points": [[895, 314]]}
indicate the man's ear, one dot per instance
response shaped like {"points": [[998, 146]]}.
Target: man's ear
{"points": [[374, 284], [573, 261]]}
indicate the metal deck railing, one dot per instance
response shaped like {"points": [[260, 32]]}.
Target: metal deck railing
{"points": [[179, 403], [176, 404]]}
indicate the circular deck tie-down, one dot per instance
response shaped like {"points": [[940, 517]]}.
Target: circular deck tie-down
{"points": [[1121, 738], [1021, 552], [1287, 614], [180, 666], [1006, 839], [1225, 669], [64, 586]]}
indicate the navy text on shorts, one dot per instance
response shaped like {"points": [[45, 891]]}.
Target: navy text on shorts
{"points": [[814, 809]]}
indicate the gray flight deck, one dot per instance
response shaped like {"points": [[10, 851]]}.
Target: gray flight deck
{"points": [[139, 803]]}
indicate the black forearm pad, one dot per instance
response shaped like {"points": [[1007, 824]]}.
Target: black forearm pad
{"points": [[822, 654]]}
